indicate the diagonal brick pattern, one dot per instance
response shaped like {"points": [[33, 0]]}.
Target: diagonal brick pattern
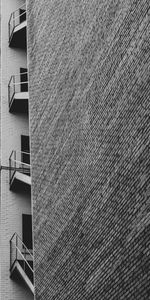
{"points": [[90, 136]]}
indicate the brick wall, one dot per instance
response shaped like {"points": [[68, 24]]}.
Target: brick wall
{"points": [[90, 134]]}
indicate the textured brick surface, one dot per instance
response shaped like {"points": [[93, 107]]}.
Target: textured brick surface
{"points": [[90, 134]]}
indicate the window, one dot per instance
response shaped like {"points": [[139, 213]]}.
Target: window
{"points": [[27, 230], [22, 14], [25, 149], [23, 80]]}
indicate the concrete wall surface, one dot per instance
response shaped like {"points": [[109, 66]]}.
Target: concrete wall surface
{"points": [[89, 65]]}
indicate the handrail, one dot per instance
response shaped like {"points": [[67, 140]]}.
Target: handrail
{"points": [[24, 152], [20, 16], [14, 78], [20, 152], [18, 74], [19, 83], [20, 162], [17, 151]]}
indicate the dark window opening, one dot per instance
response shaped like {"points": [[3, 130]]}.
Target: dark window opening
{"points": [[25, 149], [23, 80], [22, 14], [27, 230]]}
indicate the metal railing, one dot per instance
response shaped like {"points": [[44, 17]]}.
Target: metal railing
{"points": [[17, 17], [19, 161], [19, 252], [17, 84]]}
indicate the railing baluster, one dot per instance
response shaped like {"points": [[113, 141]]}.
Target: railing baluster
{"points": [[15, 160], [9, 170], [14, 90], [13, 19], [16, 245], [10, 254]]}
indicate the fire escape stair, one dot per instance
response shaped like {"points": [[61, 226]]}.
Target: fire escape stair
{"points": [[17, 270], [21, 262]]}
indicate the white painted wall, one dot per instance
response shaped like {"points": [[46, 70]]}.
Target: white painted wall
{"points": [[13, 204]]}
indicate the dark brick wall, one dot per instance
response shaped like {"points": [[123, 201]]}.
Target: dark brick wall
{"points": [[90, 142]]}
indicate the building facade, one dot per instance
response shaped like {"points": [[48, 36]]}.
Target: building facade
{"points": [[85, 65], [89, 86], [16, 208]]}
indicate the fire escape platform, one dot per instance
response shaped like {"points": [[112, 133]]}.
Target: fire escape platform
{"points": [[20, 178], [19, 102], [23, 177], [17, 270], [21, 95], [18, 36]]}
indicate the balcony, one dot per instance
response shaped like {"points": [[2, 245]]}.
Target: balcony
{"points": [[21, 262], [19, 174], [18, 93], [17, 28]]}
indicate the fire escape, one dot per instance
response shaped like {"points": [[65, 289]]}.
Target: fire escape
{"points": [[21, 262], [21, 256]]}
